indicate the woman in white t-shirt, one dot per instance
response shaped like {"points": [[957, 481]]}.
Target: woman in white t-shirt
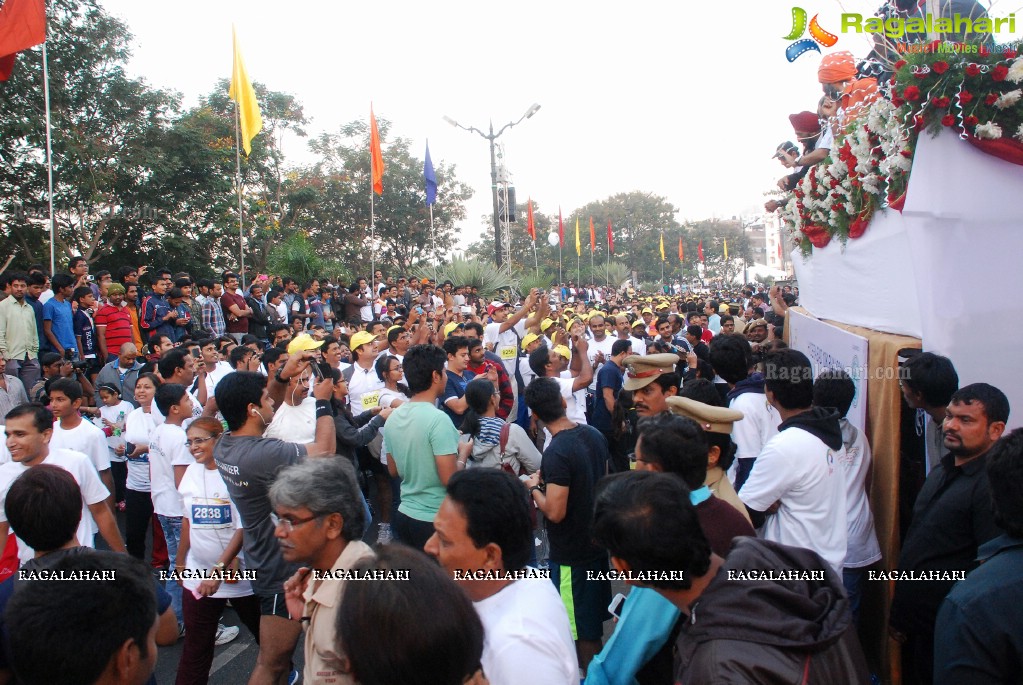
{"points": [[210, 555], [138, 502]]}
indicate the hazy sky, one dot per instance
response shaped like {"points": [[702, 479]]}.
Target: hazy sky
{"points": [[684, 100]]}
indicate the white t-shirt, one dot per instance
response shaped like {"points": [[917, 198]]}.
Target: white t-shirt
{"points": [[526, 636], [138, 427], [364, 389], [389, 396], [798, 470], [294, 423], [79, 466], [167, 450], [576, 401], [212, 521], [116, 415], [862, 548], [214, 377], [591, 353], [505, 345], [759, 424], [84, 438], [638, 345]]}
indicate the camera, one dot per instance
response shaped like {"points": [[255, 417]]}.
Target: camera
{"points": [[69, 356]]}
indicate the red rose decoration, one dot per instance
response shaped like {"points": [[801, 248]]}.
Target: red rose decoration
{"points": [[999, 72], [1010, 53], [972, 69], [965, 97], [918, 122], [857, 227], [908, 154], [920, 74], [912, 93], [898, 65], [971, 121], [990, 99], [820, 240], [944, 102], [939, 67], [898, 102], [948, 120]]}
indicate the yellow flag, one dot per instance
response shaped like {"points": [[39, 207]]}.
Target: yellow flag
{"points": [[726, 249], [242, 93], [662, 247], [578, 245]]}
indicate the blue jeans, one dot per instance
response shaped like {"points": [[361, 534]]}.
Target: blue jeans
{"points": [[171, 526], [852, 579]]}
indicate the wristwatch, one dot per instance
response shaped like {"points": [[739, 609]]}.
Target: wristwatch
{"points": [[535, 487]]}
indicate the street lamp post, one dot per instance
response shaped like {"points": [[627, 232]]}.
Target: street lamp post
{"points": [[491, 137]]}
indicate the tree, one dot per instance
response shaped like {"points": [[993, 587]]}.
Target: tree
{"points": [[637, 221], [336, 191], [713, 233], [106, 134]]}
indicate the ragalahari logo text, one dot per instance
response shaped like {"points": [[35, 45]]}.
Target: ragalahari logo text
{"points": [[817, 35]]}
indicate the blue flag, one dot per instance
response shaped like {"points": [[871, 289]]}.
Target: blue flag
{"points": [[431, 178]]}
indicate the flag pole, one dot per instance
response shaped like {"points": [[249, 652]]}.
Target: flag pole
{"points": [[49, 162], [238, 182], [536, 260], [372, 239], [433, 236], [560, 277]]}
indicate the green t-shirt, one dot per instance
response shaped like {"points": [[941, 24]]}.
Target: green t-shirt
{"points": [[415, 433]]}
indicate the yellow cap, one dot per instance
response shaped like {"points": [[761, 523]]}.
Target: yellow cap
{"points": [[303, 342], [449, 328], [545, 324], [528, 339], [358, 340], [563, 351]]}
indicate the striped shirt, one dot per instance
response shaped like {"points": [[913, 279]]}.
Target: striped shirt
{"points": [[117, 322], [213, 317]]}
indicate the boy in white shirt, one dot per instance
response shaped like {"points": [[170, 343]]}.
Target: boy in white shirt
{"points": [[72, 432], [168, 460]]}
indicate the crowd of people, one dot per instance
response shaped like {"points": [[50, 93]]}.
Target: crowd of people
{"points": [[421, 485]]}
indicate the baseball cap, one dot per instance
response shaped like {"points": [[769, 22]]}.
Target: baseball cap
{"points": [[358, 340], [303, 342], [494, 306], [528, 339], [451, 327]]}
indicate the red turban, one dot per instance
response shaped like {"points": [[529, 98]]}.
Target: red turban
{"points": [[838, 66], [805, 122]]}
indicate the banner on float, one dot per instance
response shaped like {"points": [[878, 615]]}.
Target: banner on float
{"points": [[831, 347]]}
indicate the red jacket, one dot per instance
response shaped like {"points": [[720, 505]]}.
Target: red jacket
{"points": [[503, 384]]}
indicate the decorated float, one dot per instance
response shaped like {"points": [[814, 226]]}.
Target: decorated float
{"points": [[910, 235]]}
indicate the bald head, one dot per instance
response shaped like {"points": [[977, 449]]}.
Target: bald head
{"points": [[127, 355]]}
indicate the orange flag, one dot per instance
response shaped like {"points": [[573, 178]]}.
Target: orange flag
{"points": [[681, 252], [376, 157], [593, 237], [530, 226]]}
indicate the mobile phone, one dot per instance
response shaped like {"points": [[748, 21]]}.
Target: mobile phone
{"points": [[196, 353], [90, 277], [615, 607], [317, 371]]}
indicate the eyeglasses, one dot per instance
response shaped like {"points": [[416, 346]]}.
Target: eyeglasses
{"points": [[198, 441], [289, 524]]}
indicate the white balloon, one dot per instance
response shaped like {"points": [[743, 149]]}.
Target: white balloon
{"points": [[553, 239]]}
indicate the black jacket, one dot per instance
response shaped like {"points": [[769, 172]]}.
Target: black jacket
{"points": [[260, 320], [771, 631], [354, 431]]}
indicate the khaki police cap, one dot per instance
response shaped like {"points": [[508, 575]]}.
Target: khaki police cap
{"points": [[640, 371], [711, 419]]}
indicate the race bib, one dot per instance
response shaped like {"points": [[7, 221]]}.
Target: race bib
{"points": [[370, 400], [508, 353], [211, 513]]}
